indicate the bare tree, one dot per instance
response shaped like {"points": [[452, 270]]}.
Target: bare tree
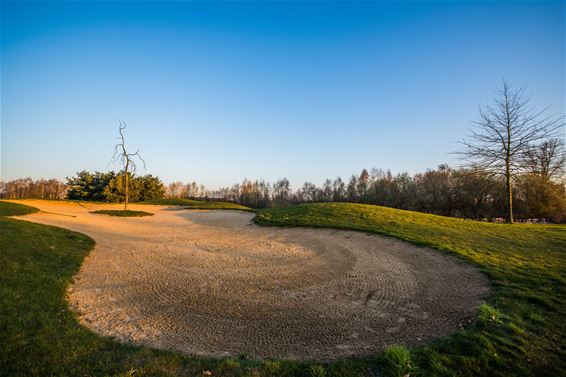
{"points": [[547, 159], [127, 160], [175, 190], [500, 139]]}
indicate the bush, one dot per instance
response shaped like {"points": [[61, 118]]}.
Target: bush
{"points": [[109, 187]]}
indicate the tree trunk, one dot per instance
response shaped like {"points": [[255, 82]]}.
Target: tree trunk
{"points": [[509, 186], [508, 180], [127, 187]]}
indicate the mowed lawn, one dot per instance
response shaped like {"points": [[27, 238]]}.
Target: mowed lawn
{"points": [[520, 333]]}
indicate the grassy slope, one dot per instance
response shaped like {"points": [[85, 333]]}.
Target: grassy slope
{"points": [[526, 264], [13, 209], [196, 204]]}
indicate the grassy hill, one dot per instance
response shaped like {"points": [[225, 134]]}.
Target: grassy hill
{"points": [[14, 209], [523, 329]]}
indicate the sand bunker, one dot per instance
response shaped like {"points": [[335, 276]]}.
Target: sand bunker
{"points": [[211, 283]]}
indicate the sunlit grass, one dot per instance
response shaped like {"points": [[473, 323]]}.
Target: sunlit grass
{"points": [[14, 209]]}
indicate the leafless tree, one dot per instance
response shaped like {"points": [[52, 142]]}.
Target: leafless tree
{"points": [[547, 159], [500, 139], [175, 190], [127, 160]]}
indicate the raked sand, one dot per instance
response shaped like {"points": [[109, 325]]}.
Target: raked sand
{"points": [[212, 283]]}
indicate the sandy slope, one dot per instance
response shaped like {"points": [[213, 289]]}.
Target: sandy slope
{"points": [[212, 283]]}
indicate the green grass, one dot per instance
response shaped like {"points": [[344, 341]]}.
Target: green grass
{"points": [[13, 209], [196, 204], [122, 213], [521, 330], [397, 362]]}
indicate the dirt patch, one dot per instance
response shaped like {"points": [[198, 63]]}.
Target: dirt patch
{"points": [[211, 283]]}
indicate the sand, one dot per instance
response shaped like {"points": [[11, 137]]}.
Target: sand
{"points": [[212, 283]]}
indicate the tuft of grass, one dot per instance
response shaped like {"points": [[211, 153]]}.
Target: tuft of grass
{"points": [[489, 314], [271, 367], [526, 264], [229, 368], [122, 213], [317, 371], [397, 362], [196, 204]]}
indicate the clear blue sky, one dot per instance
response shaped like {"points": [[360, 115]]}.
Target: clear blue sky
{"points": [[216, 92]]}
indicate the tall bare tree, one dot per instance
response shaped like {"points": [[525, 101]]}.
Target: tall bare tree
{"points": [[499, 141], [127, 161]]}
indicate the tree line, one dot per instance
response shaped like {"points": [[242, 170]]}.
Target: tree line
{"points": [[457, 192], [86, 186], [27, 188]]}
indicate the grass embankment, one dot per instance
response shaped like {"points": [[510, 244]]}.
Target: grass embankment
{"points": [[196, 204], [521, 331], [14, 209], [122, 213]]}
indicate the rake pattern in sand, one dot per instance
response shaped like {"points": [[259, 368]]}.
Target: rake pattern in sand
{"points": [[211, 283]]}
